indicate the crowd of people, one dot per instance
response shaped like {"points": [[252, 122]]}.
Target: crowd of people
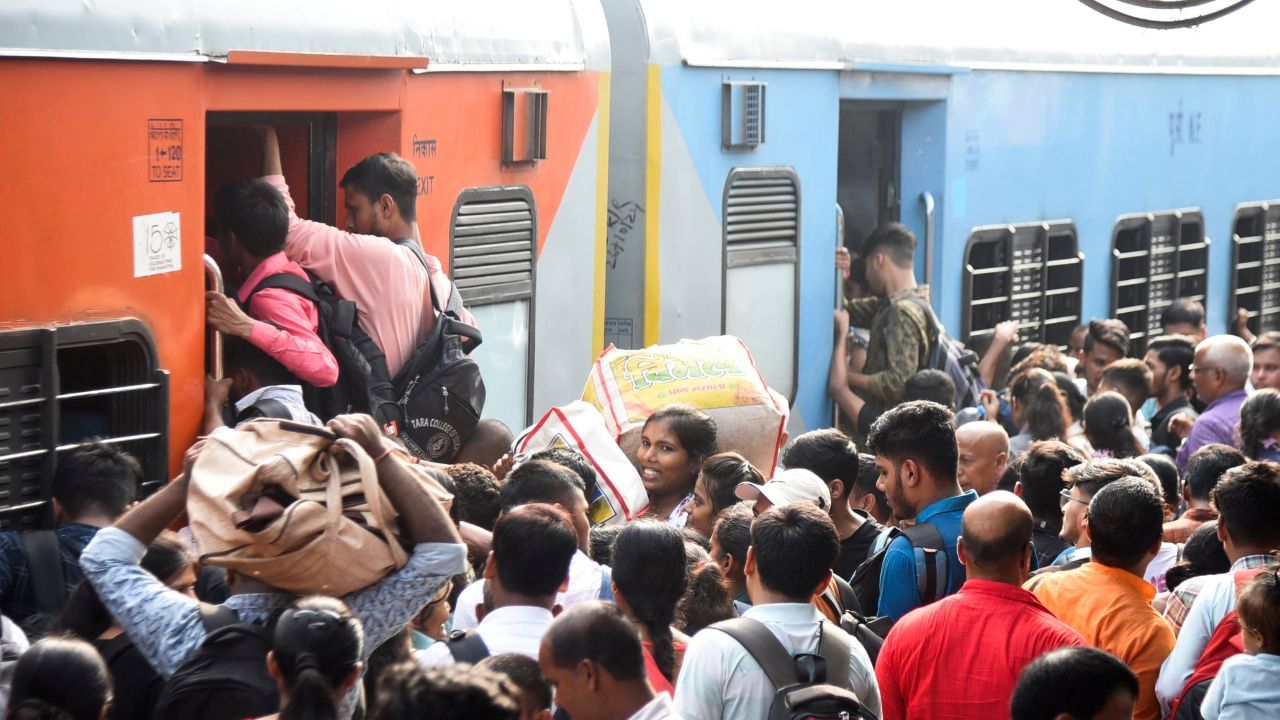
{"points": [[1094, 537]]}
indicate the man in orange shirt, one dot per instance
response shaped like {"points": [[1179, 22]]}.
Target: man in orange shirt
{"points": [[1106, 600]]}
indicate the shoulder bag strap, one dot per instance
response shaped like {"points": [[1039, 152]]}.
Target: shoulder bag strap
{"points": [[755, 638], [44, 565], [931, 560]]}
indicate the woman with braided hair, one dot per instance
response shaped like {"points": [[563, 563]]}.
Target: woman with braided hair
{"points": [[648, 582], [315, 658]]}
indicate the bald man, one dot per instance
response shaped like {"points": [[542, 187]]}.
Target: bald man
{"points": [[593, 657], [983, 454], [1219, 371], [991, 624]]}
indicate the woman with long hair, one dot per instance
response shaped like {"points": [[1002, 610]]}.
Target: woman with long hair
{"points": [[714, 491], [649, 578], [137, 685], [674, 442], [1260, 426], [1108, 425], [60, 678], [1038, 409], [315, 657]]}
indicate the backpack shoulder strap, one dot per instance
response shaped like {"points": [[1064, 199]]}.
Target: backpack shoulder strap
{"points": [[756, 639], [848, 598], [44, 563], [931, 325], [285, 281], [216, 617], [467, 646], [835, 647], [931, 560]]}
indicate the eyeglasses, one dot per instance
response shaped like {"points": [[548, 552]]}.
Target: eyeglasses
{"points": [[1201, 368], [1067, 497]]}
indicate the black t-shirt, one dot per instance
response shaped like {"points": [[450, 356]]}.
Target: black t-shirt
{"points": [[136, 685], [1160, 435], [855, 548]]}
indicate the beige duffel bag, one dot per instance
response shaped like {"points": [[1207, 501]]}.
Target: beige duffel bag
{"points": [[272, 502]]}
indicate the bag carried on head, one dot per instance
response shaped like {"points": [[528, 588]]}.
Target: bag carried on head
{"points": [[953, 358], [716, 375], [807, 687], [579, 426], [270, 501], [227, 678]]}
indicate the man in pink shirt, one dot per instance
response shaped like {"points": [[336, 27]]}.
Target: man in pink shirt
{"points": [[362, 262], [254, 219]]}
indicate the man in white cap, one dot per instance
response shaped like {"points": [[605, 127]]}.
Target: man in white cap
{"points": [[787, 487], [797, 485]]}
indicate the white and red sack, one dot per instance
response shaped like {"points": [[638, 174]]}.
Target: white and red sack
{"points": [[716, 375], [579, 426]]}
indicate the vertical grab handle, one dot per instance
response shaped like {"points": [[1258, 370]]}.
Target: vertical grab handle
{"points": [[835, 408], [213, 281], [926, 197]]}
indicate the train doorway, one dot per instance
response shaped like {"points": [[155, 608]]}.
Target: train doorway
{"points": [[867, 188]]}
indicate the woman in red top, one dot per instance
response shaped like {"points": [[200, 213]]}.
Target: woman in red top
{"points": [[648, 581]]}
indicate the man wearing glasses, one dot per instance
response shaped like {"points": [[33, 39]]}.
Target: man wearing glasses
{"points": [[1220, 370], [1083, 482]]}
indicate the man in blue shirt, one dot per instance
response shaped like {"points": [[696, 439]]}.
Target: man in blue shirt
{"points": [[915, 449]]}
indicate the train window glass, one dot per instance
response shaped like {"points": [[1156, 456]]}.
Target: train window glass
{"points": [[492, 243], [1156, 259], [1255, 255], [761, 247], [1030, 273], [61, 387]]}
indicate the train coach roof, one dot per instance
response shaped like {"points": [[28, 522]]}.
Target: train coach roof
{"points": [[959, 34], [452, 34]]}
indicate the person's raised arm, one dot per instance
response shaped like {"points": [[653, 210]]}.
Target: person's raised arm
{"points": [[150, 518], [270, 150], [422, 518], [1005, 333], [838, 374]]}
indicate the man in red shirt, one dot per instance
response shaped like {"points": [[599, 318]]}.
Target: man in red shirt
{"points": [[960, 657]]}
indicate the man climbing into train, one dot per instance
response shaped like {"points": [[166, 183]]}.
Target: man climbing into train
{"points": [[897, 316], [362, 261], [253, 220]]}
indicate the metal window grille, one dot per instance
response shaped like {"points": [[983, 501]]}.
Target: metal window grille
{"points": [[492, 244], [761, 218], [742, 115], [1255, 255], [1156, 259], [1030, 273], [61, 386]]}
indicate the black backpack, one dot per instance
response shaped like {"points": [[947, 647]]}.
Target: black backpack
{"points": [[364, 385], [951, 357], [226, 679], [932, 568], [819, 692], [439, 393]]}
